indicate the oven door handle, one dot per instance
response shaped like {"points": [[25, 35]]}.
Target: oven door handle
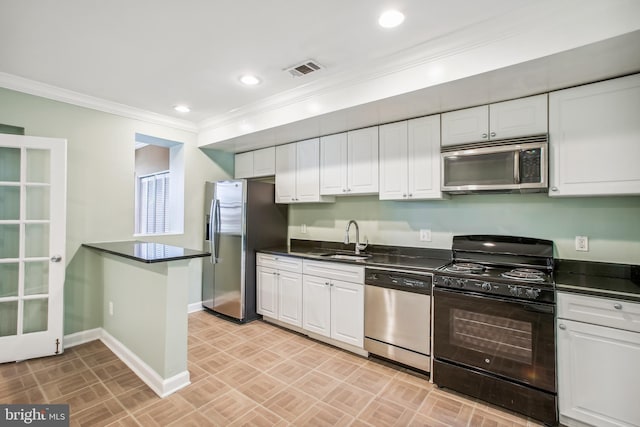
{"points": [[539, 308], [535, 307]]}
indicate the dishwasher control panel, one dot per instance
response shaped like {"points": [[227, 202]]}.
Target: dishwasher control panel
{"points": [[401, 280]]}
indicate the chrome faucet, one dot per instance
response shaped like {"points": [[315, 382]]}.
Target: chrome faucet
{"points": [[359, 247]]}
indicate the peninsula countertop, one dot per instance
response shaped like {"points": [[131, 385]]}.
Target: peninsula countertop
{"points": [[146, 252]]}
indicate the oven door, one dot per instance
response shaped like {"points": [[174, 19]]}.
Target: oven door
{"points": [[509, 338]]}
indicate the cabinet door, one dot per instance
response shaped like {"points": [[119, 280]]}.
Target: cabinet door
{"points": [[594, 143], [290, 298], [308, 171], [424, 158], [264, 162], [347, 312], [598, 378], [362, 157], [267, 292], [463, 126], [244, 165], [285, 173], [393, 161], [316, 306], [333, 164], [520, 117]]}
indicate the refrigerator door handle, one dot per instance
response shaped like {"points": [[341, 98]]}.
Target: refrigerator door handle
{"points": [[216, 231], [212, 221]]}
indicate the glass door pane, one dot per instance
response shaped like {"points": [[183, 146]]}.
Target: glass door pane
{"points": [[9, 202], [37, 202], [9, 240], [8, 279], [36, 277], [8, 318], [36, 238], [9, 164], [38, 166], [35, 315]]}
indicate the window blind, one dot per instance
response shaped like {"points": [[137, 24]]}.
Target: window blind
{"points": [[153, 203]]}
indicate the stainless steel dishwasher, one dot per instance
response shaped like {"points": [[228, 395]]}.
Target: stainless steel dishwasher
{"points": [[397, 316]]}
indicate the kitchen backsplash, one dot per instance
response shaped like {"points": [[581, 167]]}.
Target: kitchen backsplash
{"points": [[612, 224]]}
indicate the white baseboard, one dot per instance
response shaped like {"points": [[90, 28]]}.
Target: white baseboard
{"points": [[196, 306], [82, 337], [162, 387]]}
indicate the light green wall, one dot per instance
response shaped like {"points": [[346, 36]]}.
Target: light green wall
{"points": [[611, 223], [100, 189], [149, 310]]}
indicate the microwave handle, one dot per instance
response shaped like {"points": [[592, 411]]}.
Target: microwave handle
{"points": [[516, 167]]}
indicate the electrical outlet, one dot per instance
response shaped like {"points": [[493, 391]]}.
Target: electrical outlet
{"points": [[110, 308], [582, 243], [425, 235], [303, 229]]}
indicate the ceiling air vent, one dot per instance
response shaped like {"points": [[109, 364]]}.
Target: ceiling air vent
{"points": [[306, 67]]}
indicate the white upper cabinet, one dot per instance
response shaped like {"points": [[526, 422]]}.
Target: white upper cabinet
{"points": [[349, 162], [298, 172], [410, 159], [362, 159], [255, 163], [468, 125], [333, 164], [594, 133], [508, 119]]}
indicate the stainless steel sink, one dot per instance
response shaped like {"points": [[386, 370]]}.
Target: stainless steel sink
{"points": [[349, 257]]}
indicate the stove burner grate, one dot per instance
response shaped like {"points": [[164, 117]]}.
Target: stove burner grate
{"points": [[527, 274], [465, 267]]}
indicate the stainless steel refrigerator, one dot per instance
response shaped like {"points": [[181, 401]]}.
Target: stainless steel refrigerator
{"points": [[240, 217]]}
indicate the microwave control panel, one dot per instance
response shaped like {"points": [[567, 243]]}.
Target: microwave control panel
{"points": [[530, 169]]}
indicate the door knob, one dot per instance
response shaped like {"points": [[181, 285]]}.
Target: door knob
{"points": [[56, 258]]}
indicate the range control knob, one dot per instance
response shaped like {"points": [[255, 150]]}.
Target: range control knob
{"points": [[445, 281], [515, 291], [532, 293], [462, 282], [486, 286]]}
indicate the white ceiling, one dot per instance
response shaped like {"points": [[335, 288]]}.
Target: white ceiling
{"points": [[143, 57]]}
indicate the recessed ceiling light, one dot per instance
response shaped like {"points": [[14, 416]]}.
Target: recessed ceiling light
{"points": [[391, 19], [182, 108], [249, 80]]}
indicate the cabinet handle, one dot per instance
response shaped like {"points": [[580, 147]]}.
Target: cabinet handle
{"points": [[484, 135], [404, 195], [344, 190], [326, 283], [617, 306], [562, 326], [410, 195], [493, 134], [554, 188]]}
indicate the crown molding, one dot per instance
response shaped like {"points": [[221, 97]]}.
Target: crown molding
{"points": [[32, 87]]}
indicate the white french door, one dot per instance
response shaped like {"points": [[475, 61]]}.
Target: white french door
{"points": [[32, 246]]}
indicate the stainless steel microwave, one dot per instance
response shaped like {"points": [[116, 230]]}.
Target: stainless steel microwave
{"points": [[516, 166]]}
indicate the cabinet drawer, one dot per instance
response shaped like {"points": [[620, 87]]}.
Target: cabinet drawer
{"points": [[279, 262], [334, 270], [599, 311]]}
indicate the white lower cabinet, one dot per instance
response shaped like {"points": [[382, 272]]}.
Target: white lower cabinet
{"points": [[279, 288], [332, 307], [598, 373]]}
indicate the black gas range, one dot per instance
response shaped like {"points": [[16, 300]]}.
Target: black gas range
{"points": [[494, 323]]}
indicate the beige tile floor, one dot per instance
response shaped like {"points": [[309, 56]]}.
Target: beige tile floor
{"points": [[253, 374]]}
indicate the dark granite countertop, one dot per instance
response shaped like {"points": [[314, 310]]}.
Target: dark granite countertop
{"points": [[146, 252], [417, 259], [620, 281]]}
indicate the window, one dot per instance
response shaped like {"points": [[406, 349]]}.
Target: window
{"points": [[159, 186], [153, 199]]}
